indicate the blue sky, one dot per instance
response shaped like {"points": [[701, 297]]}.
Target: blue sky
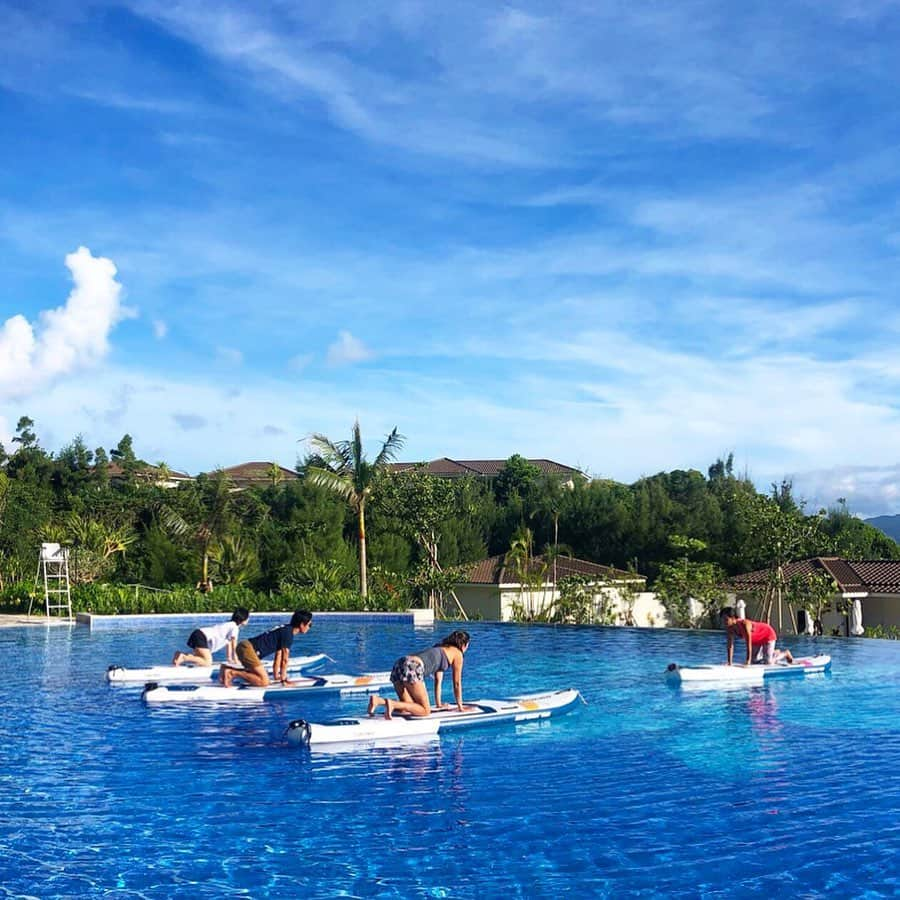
{"points": [[629, 237]]}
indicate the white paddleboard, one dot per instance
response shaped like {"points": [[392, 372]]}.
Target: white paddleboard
{"points": [[244, 693], [194, 674], [368, 729], [755, 674]]}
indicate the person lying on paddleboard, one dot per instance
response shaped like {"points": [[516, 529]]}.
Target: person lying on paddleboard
{"points": [[409, 673], [251, 652], [759, 637], [206, 641]]}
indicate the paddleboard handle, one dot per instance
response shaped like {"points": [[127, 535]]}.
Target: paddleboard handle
{"points": [[672, 667], [149, 686], [113, 668], [301, 726]]}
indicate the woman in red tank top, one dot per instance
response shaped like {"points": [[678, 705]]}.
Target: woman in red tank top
{"points": [[758, 637]]}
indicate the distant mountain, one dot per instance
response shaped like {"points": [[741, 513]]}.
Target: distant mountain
{"points": [[890, 525]]}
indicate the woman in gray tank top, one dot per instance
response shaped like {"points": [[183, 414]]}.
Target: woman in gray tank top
{"points": [[409, 674]]}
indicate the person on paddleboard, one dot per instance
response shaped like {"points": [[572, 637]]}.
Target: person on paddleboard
{"points": [[251, 652], [206, 641], [758, 637], [409, 673]]}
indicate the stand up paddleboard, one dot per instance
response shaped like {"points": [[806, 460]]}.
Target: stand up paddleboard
{"points": [[194, 674], [245, 693], [366, 729], [712, 676]]}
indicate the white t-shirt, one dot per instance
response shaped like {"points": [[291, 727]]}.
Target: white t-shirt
{"points": [[217, 636]]}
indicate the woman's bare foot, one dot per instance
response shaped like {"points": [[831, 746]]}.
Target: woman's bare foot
{"points": [[177, 658], [387, 708], [374, 700]]}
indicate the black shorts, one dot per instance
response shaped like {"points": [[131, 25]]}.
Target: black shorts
{"points": [[197, 640]]}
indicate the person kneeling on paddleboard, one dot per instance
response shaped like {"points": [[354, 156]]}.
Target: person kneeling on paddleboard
{"points": [[759, 637], [206, 641], [252, 651], [409, 673]]}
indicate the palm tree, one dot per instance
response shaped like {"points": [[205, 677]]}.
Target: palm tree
{"points": [[346, 471], [549, 503], [207, 522]]}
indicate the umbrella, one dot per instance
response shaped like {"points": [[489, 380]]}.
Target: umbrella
{"points": [[856, 626]]}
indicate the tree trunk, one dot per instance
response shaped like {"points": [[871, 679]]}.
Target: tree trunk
{"points": [[363, 585], [555, 546]]}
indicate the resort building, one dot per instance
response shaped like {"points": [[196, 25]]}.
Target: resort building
{"points": [[494, 592], [161, 476], [488, 469], [866, 594], [258, 474]]}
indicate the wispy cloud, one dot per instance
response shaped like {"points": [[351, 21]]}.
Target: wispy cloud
{"points": [[189, 421], [632, 238], [230, 356], [868, 490], [347, 350]]}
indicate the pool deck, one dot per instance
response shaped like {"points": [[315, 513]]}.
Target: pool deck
{"points": [[17, 620]]}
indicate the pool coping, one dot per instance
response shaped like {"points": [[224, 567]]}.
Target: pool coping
{"points": [[416, 617]]}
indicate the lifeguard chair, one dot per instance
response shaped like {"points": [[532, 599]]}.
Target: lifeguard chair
{"points": [[53, 569]]}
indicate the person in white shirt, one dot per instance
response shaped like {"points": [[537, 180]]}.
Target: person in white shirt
{"points": [[206, 641]]}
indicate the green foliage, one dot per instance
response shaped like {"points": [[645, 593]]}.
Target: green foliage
{"points": [[813, 592], [345, 471], [16, 598], [299, 536], [685, 579], [518, 478], [887, 632], [319, 575], [119, 599], [580, 603]]}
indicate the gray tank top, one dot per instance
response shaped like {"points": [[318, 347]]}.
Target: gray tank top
{"points": [[434, 660]]}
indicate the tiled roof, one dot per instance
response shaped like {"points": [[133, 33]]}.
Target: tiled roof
{"points": [[257, 471], [494, 571], [879, 576], [483, 468], [114, 470]]}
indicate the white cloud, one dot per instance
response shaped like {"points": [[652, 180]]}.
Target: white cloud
{"points": [[66, 339], [868, 490], [160, 329], [347, 350], [230, 356]]}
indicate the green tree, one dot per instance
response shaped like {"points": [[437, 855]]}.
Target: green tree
{"points": [[549, 503], [518, 476], [685, 579], [94, 545], [124, 456], [204, 519], [346, 472], [234, 560]]}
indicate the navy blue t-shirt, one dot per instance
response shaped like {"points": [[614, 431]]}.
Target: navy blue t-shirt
{"points": [[268, 642]]}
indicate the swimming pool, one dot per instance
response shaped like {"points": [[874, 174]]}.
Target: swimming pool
{"points": [[648, 790]]}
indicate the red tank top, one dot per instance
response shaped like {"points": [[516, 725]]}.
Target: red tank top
{"points": [[761, 632]]}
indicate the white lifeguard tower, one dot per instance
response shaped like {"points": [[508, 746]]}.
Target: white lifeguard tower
{"points": [[53, 569]]}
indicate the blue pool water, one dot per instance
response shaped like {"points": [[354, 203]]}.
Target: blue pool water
{"points": [[648, 790]]}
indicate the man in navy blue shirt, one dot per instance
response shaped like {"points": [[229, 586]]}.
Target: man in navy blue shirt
{"points": [[252, 651]]}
